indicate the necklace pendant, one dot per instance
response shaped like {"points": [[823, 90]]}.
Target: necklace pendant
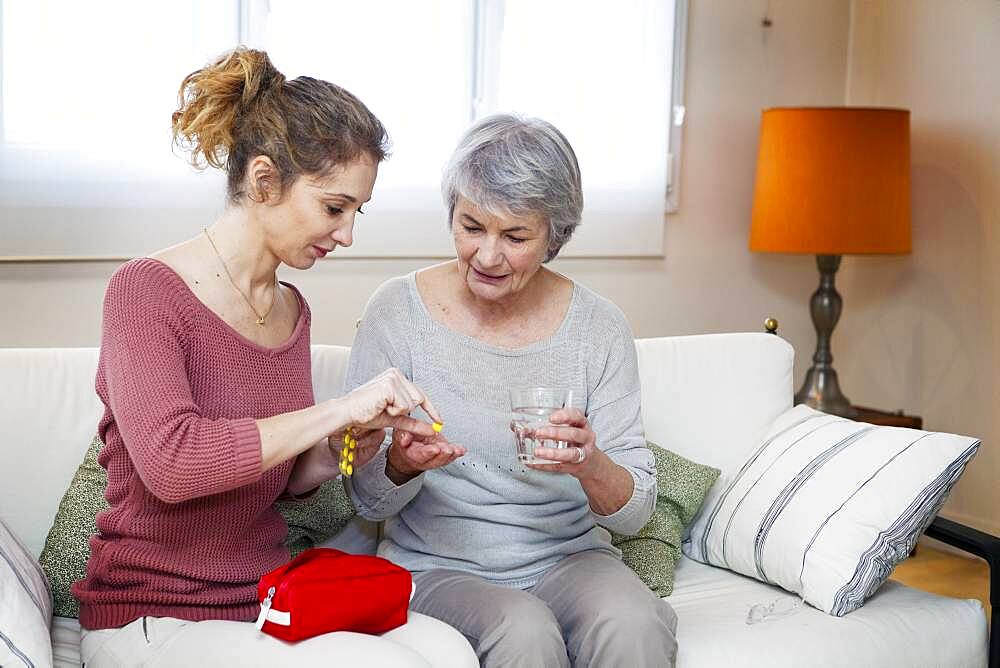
{"points": [[260, 320]]}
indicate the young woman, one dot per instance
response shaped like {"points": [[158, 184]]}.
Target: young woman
{"points": [[205, 377]]}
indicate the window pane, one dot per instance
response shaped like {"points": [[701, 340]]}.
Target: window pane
{"points": [[409, 62], [600, 72], [86, 166], [102, 77]]}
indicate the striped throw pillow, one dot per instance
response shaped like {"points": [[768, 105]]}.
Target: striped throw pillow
{"points": [[25, 606], [826, 507]]}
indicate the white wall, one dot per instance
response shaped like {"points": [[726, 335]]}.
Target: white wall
{"points": [[916, 332], [919, 332]]}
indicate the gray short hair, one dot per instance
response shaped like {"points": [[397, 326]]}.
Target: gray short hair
{"points": [[511, 165]]}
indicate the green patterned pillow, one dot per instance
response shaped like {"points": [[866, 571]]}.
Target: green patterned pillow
{"points": [[67, 547], [681, 488], [315, 520]]}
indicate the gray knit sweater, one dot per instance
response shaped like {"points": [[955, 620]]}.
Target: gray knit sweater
{"points": [[485, 513]]}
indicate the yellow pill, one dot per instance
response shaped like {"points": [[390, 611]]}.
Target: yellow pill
{"points": [[350, 456], [353, 444], [350, 469], [437, 426], [347, 438], [343, 466]]}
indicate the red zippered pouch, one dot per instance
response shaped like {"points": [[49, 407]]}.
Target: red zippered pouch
{"points": [[325, 590]]}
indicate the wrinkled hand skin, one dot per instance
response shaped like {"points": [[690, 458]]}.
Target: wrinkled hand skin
{"points": [[411, 454], [571, 426]]}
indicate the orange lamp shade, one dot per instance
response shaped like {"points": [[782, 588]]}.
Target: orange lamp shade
{"points": [[832, 181]]}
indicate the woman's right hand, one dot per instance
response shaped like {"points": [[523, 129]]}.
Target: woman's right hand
{"points": [[386, 401]]}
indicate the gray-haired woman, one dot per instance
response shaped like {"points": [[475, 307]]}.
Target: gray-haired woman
{"points": [[514, 556]]}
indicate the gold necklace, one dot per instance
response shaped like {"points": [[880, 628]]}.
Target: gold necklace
{"points": [[260, 316]]}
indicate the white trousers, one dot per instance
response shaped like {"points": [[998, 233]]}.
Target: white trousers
{"points": [[163, 642]]}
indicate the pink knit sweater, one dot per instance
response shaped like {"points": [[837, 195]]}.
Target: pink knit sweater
{"points": [[191, 526]]}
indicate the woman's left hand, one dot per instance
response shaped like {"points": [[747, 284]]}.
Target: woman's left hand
{"points": [[368, 441], [581, 458], [322, 461]]}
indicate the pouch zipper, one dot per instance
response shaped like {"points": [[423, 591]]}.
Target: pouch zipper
{"points": [[265, 606]]}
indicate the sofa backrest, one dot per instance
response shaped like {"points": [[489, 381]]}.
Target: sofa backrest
{"points": [[49, 412], [702, 394], [699, 393]]}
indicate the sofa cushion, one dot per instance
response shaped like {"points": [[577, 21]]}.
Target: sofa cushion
{"points": [[25, 606], [681, 488], [899, 627], [65, 642], [311, 522], [826, 507]]}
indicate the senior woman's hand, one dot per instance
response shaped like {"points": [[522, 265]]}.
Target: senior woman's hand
{"points": [[411, 454], [582, 458], [607, 485]]}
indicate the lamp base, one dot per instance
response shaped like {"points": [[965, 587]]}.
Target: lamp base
{"points": [[821, 389]]}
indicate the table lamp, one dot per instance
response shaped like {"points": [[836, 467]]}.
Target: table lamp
{"points": [[830, 182]]}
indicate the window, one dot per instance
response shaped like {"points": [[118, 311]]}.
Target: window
{"points": [[87, 90]]}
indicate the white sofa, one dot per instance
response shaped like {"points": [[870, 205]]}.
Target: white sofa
{"points": [[700, 393]]}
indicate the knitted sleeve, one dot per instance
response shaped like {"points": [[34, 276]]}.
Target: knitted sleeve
{"points": [[615, 414], [178, 453]]}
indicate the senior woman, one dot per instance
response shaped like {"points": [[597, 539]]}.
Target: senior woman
{"points": [[514, 556]]}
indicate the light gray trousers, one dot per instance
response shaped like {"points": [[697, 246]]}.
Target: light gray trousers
{"points": [[588, 610]]}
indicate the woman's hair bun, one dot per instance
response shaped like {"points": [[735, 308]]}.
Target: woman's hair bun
{"points": [[212, 99]]}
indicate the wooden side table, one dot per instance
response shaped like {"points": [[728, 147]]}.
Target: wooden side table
{"points": [[897, 419]]}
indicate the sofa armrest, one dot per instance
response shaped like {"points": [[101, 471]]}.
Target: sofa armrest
{"points": [[982, 545]]}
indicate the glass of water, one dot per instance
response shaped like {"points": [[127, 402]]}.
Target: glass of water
{"points": [[531, 408]]}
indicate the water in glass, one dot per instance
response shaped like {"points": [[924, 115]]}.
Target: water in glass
{"points": [[531, 409]]}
